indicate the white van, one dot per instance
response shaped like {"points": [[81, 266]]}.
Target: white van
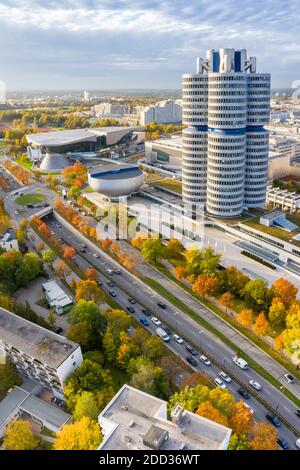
{"points": [[162, 334], [240, 362]]}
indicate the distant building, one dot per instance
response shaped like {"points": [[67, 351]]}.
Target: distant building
{"points": [[9, 241], [23, 401], [279, 165], [115, 181], [163, 112], [135, 420], [283, 198], [86, 96], [56, 297], [38, 353], [113, 110]]}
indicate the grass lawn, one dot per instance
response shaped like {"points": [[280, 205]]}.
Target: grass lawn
{"points": [[169, 183], [119, 377], [25, 162], [276, 231], [30, 199]]}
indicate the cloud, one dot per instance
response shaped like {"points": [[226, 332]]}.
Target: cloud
{"points": [[65, 40]]}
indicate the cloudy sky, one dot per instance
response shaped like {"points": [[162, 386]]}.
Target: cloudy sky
{"points": [[106, 44]]}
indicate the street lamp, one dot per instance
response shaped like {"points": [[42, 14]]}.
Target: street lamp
{"points": [[277, 406]]}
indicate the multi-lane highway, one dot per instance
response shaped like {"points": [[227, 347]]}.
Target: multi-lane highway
{"points": [[126, 285]]}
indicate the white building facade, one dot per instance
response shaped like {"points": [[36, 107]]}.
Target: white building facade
{"points": [[226, 105], [163, 112]]}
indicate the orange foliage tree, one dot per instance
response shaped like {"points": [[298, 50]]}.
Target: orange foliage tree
{"points": [[91, 274], [69, 252], [285, 290], [241, 419], [180, 272], [205, 285], [265, 437], [261, 325], [207, 410], [89, 290], [246, 317], [226, 300]]}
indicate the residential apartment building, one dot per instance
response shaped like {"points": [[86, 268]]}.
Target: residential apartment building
{"points": [[135, 420], [111, 110], [163, 112], [226, 105], [9, 241], [38, 353]]}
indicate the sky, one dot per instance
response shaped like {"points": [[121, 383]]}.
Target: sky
{"points": [[131, 44]]}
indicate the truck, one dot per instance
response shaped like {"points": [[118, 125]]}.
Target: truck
{"points": [[162, 334]]}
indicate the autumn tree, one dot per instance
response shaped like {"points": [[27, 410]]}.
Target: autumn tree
{"points": [[18, 436], [207, 410], [69, 252], [256, 294], [84, 434], [293, 316], [49, 256], [175, 249], [89, 291], [291, 340], [91, 274], [153, 250], [241, 419], [245, 317], [261, 325], [265, 437], [180, 272], [86, 405], [61, 268], [233, 280], [150, 379], [284, 290], [226, 300], [205, 285], [84, 334], [239, 442], [277, 312], [278, 343]]}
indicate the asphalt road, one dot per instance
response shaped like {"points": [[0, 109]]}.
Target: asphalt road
{"points": [[126, 285]]}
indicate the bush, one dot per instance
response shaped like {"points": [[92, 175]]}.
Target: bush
{"points": [[95, 356]]}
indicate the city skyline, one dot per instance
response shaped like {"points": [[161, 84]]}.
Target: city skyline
{"points": [[78, 45]]}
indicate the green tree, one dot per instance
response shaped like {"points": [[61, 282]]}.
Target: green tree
{"points": [[239, 442], [87, 311], [118, 320], [277, 312], [86, 405], [89, 291], [256, 294], [95, 356], [210, 261], [151, 380], [18, 436], [8, 377], [84, 334], [49, 256], [153, 250], [234, 281], [30, 267], [74, 191]]}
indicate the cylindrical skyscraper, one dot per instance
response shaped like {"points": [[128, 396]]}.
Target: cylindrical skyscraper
{"points": [[225, 147]]}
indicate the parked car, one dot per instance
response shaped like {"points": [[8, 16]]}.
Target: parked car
{"points": [[144, 321], [112, 293], [161, 305], [100, 283], [240, 362], [83, 245], [178, 339], [255, 385], [83, 250], [117, 271], [283, 443], [191, 350], [156, 321], [191, 360], [95, 255], [110, 284], [243, 393], [219, 383], [146, 312], [132, 301], [109, 271], [58, 330], [130, 309], [297, 413], [273, 419], [289, 378], [225, 376], [205, 360]]}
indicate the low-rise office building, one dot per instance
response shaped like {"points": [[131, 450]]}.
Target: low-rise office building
{"points": [[135, 420], [38, 353], [57, 298]]}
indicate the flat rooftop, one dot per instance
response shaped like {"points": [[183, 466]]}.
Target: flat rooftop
{"points": [[57, 138], [134, 418], [34, 340], [115, 172]]}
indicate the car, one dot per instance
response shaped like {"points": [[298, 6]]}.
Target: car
{"points": [[16, 212], [191, 360], [83, 245], [162, 334], [30, 206], [130, 309], [83, 250], [95, 255], [297, 443], [240, 362], [144, 321], [100, 283], [191, 350], [46, 204], [167, 330], [131, 300], [109, 271], [225, 376], [112, 293], [243, 393], [58, 330], [283, 443], [156, 321], [248, 407], [110, 284], [297, 413], [205, 360], [161, 305], [178, 339], [219, 383], [58, 225], [146, 312], [273, 419], [289, 378], [255, 385], [117, 271]]}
